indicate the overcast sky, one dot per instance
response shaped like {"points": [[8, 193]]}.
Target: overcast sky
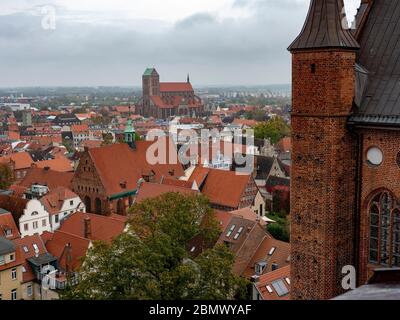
{"points": [[111, 42]]}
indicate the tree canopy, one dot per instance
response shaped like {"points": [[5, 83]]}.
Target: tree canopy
{"points": [[152, 260], [274, 129], [6, 176]]}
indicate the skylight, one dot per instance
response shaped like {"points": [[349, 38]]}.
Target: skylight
{"points": [[231, 230], [280, 288], [238, 233], [26, 249], [271, 252], [269, 289]]}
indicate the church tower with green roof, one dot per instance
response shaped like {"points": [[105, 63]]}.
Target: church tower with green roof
{"points": [[130, 134]]}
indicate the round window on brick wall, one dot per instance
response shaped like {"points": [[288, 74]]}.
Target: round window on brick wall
{"points": [[374, 156]]}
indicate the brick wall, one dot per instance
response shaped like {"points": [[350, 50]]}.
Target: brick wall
{"points": [[323, 173]]}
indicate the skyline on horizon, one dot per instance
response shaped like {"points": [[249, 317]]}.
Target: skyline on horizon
{"points": [[59, 43]]}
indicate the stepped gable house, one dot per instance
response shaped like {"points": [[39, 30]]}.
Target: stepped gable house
{"points": [[346, 146], [164, 99], [107, 178]]}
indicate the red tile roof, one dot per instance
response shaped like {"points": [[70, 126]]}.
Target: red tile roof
{"points": [[266, 281], [14, 205], [22, 160], [61, 164], [280, 255], [79, 128], [175, 87], [57, 243], [7, 224], [224, 188], [51, 178], [114, 164], [153, 190], [25, 245], [54, 200], [103, 228], [285, 144]]}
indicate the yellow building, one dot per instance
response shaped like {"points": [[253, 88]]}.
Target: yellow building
{"points": [[10, 270]]}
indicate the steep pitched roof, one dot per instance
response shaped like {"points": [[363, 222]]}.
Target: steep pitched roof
{"points": [[14, 205], [153, 190], [268, 284], [22, 160], [54, 200], [378, 85], [118, 163], [175, 87], [103, 228], [323, 28], [8, 228], [26, 246], [52, 179], [61, 164], [221, 187], [61, 244]]}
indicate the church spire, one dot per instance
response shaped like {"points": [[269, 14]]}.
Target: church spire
{"points": [[188, 78], [325, 27]]}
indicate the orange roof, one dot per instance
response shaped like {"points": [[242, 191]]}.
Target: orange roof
{"points": [[61, 164], [22, 160], [223, 218], [153, 190], [221, 187], [57, 243], [159, 102], [77, 128], [114, 165], [50, 178], [92, 143], [280, 255], [12, 135], [245, 122], [175, 87], [14, 205], [265, 284], [54, 200], [7, 225], [103, 228], [28, 251]]}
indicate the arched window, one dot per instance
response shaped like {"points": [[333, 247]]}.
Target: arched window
{"points": [[384, 235]]}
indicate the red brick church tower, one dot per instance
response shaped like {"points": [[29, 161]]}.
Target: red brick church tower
{"points": [[324, 162]]}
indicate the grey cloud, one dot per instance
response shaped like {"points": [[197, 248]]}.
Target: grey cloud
{"points": [[248, 50]]}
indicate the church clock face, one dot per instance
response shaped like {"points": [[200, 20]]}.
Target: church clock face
{"points": [[375, 156]]}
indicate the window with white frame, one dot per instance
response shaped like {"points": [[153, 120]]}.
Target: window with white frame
{"points": [[14, 274], [29, 290], [14, 294]]}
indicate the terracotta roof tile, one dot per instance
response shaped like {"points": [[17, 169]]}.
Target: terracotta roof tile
{"points": [[8, 228], [153, 190], [175, 87], [51, 178], [22, 160], [266, 281], [103, 228], [61, 164]]}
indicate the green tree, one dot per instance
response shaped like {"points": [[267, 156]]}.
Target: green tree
{"points": [[151, 261], [274, 129], [6, 176]]}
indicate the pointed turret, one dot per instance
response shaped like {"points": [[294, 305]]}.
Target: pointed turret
{"points": [[188, 78], [325, 27], [130, 134]]}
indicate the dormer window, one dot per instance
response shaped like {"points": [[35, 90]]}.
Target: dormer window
{"points": [[260, 267], [8, 232]]}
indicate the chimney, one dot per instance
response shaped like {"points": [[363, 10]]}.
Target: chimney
{"points": [[46, 168], [87, 227]]}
